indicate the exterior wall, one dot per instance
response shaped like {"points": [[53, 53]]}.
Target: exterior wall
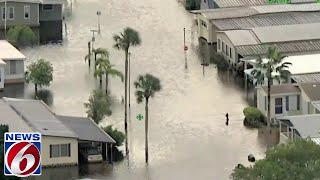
{"points": [[204, 4], [261, 101], [18, 76], [305, 103], [49, 140], [203, 32], [234, 55], [2, 76], [51, 15], [19, 14]]}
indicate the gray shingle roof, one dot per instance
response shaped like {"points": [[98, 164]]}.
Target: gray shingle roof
{"points": [[39, 117], [306, 125], [276, 19], [282, 89], [86, 129]]}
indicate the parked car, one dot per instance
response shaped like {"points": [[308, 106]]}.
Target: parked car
{"points": [[92, 155]]}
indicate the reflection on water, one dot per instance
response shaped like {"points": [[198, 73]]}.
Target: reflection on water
{"points": [[57, 173]]}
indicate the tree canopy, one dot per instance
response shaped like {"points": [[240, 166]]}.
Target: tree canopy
{"points": [[99, 106], [297, 160], [146, 86], [129, 37], [118, 136], [21, 35], [39, 73]]}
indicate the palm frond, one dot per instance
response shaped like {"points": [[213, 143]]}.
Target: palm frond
{"points": [[114, 72]]}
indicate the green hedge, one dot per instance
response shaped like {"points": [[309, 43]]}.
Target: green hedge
{"points": [[253, 117], [220, 61]]}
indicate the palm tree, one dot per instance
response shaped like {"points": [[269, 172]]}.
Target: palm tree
{"points": [[99, 68], [273, 69], [146, 87], [129, 37], [101, 52], [109, 70]]}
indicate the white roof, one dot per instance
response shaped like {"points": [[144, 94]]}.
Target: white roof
{"points": [[9, 52], [241, 37], [287, 32], [300, 64], [2, 62]]}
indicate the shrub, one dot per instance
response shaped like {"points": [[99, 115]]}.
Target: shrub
{"points": [[192, 5], [118, 136], [253, 117], [220, 61]]}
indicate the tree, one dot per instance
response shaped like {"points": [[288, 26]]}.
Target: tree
{"points": [[103, 66], [118, 136], [99, 106], [4, 129], [146, 87], [273, 69], [39, 73], [100, 51], [297, 160], [21, 35], [129, 37]]}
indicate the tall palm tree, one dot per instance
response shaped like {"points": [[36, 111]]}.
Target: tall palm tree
{"points": [[146, 87], [101, 52], [124, 40], [273, 69], [101, 62]]}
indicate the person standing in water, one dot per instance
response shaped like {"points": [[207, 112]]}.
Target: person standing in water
{"points": [[227, 119]]}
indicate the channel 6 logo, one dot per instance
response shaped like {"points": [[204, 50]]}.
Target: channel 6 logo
{"points": [[22, 154]]}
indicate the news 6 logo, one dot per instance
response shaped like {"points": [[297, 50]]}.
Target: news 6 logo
{"points": [[22, 154]]}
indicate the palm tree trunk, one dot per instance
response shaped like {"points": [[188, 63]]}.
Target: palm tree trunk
{"points": [[107, 83], [36, 90], [126, 100], [89, 57], [95, 60], [100, 81], [269, 102], [146, 131]]}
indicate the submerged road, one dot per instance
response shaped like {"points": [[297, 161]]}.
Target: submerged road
{"points": [[188, 138]]}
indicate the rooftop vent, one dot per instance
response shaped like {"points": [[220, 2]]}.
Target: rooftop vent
{"points": [[314, 85]]}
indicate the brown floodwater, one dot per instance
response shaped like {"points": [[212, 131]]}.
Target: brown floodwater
{"points": [[188, 138]]}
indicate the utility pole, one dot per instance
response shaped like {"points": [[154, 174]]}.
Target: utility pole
{"points": [[99, 14], [89, 51], [5, 19], [93, 38], [203, 64], [129, 69], [185, 48]]}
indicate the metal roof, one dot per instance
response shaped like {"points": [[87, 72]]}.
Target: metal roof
{"points": [[237, 12], [306, 78], [233, 3], [316, 140], [283, 47], [267, 20], [241, 37], [296, 32], [312, 90], [316, 104], [9, 52], [86, 129], [282, 89], [39, 117], [306, 125]]}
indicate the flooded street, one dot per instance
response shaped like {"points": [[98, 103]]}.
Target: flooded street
{"points": [[188, 138]]}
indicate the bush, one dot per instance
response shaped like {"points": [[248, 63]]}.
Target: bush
{"points": [[220, 61], [253, 117], [118, 136]]}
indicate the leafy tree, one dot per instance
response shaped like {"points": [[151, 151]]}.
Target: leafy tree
{"points": [[146, 87], [298, 160], [118, 136], [39, 73], [99, 106], [21, 35], [4, 129], [273, 69], [129, 37], [103, 66]]}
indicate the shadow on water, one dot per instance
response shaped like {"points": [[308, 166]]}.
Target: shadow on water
{"points": [[57, 173], [45, 95], [270, 138]]}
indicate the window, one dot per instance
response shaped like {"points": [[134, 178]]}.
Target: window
{"points": [[265, 103], [223, 50], [60, 150], [26, 12], [278, 105], [298, 102], [227, 50], [3, 12], [11, 13], [204, 24], [47, 7], [13, 67], [230, 52], [219, 45], [287, 103]]}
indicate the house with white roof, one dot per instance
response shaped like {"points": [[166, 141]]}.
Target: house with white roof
{"points": [[62, 136], [11, 64]]}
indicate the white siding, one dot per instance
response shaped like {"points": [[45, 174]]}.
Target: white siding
{"points": [[204, 31], [225, 39], [19, 70], [45, 157], [304, 103], [261, 101]]}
